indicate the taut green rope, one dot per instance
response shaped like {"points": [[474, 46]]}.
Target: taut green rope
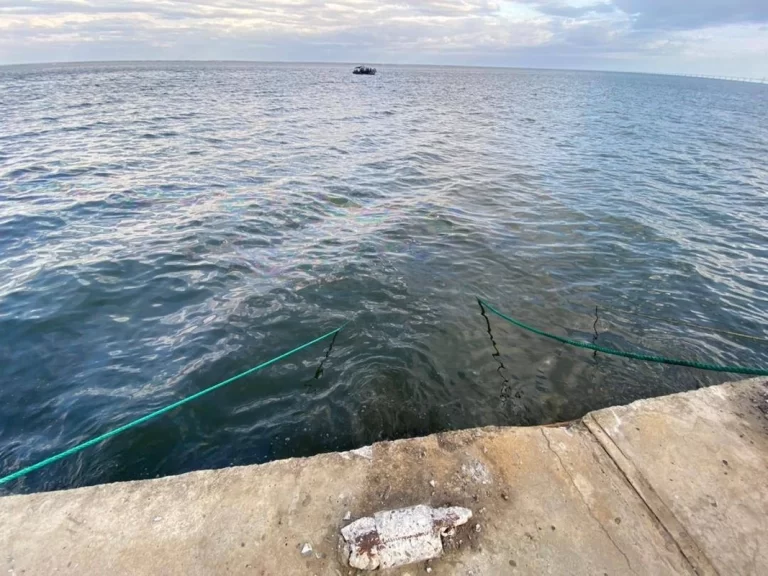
{"points": [[632, 355], [124, 427]]}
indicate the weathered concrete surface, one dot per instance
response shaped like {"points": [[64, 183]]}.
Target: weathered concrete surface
{"points": [[636, 490], [703, 457]]}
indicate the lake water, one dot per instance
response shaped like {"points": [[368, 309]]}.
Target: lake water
{"points": [[164, 226]]}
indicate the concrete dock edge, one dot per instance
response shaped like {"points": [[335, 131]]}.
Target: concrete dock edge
{"points": [[670, 485]]}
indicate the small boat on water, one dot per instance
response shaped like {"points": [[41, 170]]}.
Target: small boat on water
{"points": [[364, 70]]}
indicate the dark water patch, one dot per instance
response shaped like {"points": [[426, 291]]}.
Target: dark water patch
{"points": [[74, 128], [25, 171]]}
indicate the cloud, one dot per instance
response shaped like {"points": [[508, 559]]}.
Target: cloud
{"points": [[680, 15], [552, 33], [570, 11], [393, 26]]}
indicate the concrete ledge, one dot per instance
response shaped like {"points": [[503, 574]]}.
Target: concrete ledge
{"points": [[700, 461], [673, 485]]}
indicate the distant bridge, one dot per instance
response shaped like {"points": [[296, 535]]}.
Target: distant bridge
{"points": [[731, 78]]}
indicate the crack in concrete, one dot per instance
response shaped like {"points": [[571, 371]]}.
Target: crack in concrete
{"points": [[643, 499], [754, 558], [584, 501]]}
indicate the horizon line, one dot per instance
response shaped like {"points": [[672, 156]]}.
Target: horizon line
{"points": [[353, 63]]}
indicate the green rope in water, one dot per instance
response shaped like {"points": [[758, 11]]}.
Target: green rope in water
{"points": [[632, 355], [156, 413]]}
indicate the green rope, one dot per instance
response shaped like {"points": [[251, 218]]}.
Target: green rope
{"points": [[632, 355], [123, 428]]}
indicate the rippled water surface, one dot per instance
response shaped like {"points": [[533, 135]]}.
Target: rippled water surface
{"points": [[165, 226]]}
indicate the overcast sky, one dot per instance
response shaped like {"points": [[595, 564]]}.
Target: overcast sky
{"points": [[728, 37]]}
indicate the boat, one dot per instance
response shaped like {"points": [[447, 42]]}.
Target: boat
{"points": [[364, 70]]}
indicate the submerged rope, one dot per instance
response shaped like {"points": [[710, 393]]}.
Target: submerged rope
{"points": [[134, 423], [631, 355]]}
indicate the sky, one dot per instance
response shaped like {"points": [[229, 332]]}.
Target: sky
{"points": [[719, 37]]}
